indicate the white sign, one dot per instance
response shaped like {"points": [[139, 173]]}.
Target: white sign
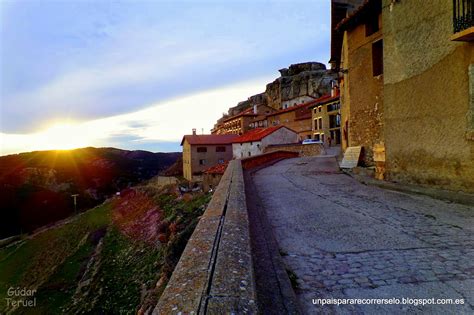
{"points": [[351, 157]]}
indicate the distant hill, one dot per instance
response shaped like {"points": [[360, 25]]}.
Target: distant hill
{"points": [[36, 187]]}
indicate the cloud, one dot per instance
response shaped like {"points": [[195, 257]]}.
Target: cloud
{"points": [[159, 127], [88, 60]]}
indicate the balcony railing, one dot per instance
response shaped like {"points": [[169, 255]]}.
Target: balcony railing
{"points": [[463, 15]]}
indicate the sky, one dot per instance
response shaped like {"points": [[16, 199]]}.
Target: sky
{"points": [[141, 74]]}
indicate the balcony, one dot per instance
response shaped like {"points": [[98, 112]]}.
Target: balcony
{"points": [[463, 20]]}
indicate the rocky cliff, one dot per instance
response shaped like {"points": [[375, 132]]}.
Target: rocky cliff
{"points": [[301, 79]]}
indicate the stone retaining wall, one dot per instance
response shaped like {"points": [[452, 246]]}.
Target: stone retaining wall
{"points": [[215, 272], [313, 149]]}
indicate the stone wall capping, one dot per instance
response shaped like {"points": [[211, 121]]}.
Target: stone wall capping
{"points": [[215, 271]]}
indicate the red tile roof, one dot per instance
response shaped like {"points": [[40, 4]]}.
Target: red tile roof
{"points": [[209, 139], [323, 100], [258, 134], [289, 109], [217, 169]]}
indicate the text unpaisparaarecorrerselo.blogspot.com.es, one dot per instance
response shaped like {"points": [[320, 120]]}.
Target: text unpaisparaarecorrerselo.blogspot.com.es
{"points": [[20, 297]]}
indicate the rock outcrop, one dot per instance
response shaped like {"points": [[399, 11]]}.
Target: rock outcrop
{"points": [[302, 79], [298, 80]]}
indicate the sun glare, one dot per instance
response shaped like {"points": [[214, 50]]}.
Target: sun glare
{"points": [[63, 136]]}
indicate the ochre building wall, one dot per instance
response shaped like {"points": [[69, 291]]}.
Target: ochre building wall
{"points": [[362, 92], [426, 95]]}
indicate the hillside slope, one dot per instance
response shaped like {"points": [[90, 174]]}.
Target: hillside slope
{"points": [[36, 187], [115, 258]]}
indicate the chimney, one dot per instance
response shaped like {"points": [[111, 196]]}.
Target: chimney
{"points": [[194, 131], [255, 109]]}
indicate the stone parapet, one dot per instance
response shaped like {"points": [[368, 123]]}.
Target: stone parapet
{"points": [[215, 272], [313, 149]]}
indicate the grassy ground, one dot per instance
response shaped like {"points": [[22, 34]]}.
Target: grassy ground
{"points": [[96, 263]]}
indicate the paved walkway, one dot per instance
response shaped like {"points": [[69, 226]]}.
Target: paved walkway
{"points": [[343, 239]]}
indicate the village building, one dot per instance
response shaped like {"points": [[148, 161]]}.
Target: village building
{"points": [[340, 9], [203, 151], [326, 117], [362, 82], [255, 141], [212, 176], [296, 101], [297, 118], [242, 122], [429, 92]]}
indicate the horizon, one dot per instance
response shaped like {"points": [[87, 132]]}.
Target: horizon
{"points": [[85, 74]]}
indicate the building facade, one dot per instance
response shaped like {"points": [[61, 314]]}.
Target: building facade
{"points": [[203, 151], [244, 121], [297, 118], [429, 92], [255, 141], [361, 86], [326, 117]]}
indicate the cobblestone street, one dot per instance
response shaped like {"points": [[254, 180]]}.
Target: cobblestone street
{"points": [[343, 239]]}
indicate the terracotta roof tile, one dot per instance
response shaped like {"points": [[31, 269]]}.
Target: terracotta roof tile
{"points": [[217, 169], [209, 139], [257, 134]]}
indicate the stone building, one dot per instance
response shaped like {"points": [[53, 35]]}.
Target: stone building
{"points": [[326, 117], [429, 92], [340, 9], [255, 141], [297, 118], [361, 85], [203, 151]]}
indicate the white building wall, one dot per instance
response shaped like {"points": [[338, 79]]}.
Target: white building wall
{"points": [[298, 101], [281, 136], [241, 150]]}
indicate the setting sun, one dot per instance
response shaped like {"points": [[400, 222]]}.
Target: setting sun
{"points": [[63, 136]]}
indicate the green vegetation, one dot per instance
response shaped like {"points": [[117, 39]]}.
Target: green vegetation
{"points": [[115, 258]]}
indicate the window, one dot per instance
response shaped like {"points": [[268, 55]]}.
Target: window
{"points": [[372, 24], [202, 149], [202, 162], [250, 154], [320, 108], [220, 149], [221, 161], [316, 124], [320, 123], [377, 58], [316, 137]]}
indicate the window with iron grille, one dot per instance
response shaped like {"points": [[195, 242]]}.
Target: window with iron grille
{"points": [[463, 15]]}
